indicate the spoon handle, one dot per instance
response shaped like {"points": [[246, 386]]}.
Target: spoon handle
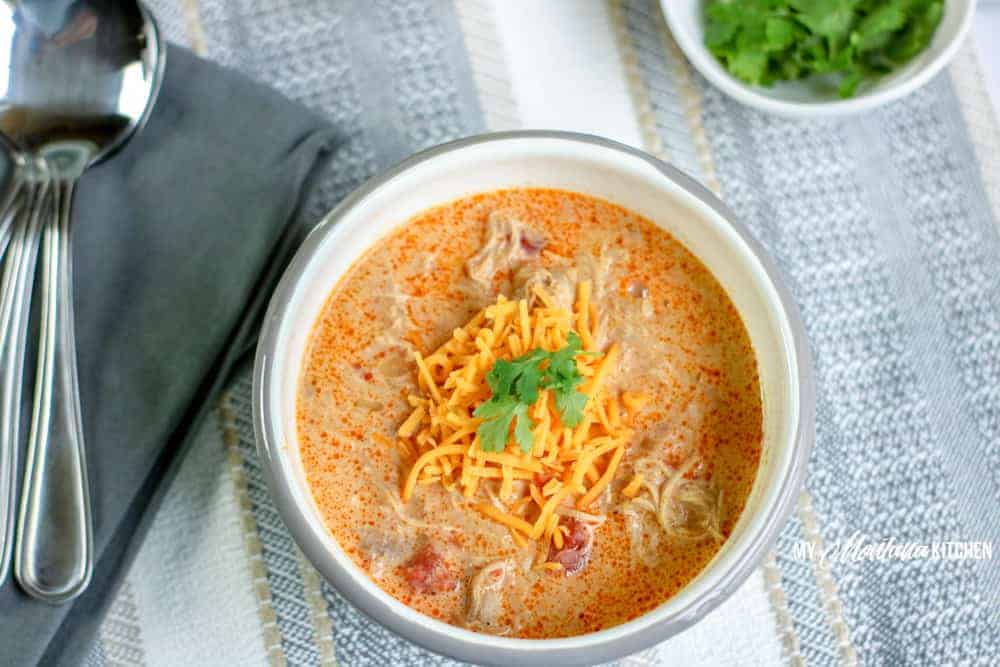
{"points": [[54, 558], [15, 300], [8, 211]]}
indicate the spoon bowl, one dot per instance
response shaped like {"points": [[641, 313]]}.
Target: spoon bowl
{"points": [[78, 78], [83, 71]]}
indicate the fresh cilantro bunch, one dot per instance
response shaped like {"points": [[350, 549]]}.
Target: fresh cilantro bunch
{"points": [[763, 41], [515, 385]]}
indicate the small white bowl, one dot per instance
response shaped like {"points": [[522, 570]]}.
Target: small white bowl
{"points": [[809, 98], [596, 167]]}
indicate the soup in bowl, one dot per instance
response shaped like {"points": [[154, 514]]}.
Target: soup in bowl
{"points": [[533, 397]]}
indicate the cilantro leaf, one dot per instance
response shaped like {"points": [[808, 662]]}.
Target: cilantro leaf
{"points": [[495, 407], [527, 386], [827, 18], [780, 33], [501, 377], [749, 66], [498, 412], [562, 363], [522, 432], [917, 35], [562, 376], [515, 385], [849, 42], [723, 23], [570, 404], [850, 83]]}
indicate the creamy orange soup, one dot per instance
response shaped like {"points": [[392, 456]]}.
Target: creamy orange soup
{"points": [[553, 544]]}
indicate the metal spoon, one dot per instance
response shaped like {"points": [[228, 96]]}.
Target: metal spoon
{"points": [[81, 78], [9, 207], [22, 222]]}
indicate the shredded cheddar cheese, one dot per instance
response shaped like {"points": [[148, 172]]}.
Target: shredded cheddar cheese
{"points": [[571, 466], [632, 488]]}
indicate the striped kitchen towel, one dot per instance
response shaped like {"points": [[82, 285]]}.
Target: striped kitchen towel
{"points": [[884, 224]]}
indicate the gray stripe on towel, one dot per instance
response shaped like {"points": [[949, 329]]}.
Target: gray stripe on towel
{"points": [[879, 466]]}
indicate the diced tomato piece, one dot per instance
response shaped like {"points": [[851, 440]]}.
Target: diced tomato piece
{"points": [[427, 572], [580, 536], [576, 547]]}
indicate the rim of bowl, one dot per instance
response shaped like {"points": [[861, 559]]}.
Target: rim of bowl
{"points": [[450, 640], [706, 64]]}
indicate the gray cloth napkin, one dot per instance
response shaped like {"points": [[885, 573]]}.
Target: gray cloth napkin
{"points": [[177, 241]]}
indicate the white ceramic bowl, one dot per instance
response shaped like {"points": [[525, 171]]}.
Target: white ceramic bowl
{"points": [[809, 99], [574, 162]]}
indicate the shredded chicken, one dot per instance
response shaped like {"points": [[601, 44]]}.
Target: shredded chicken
{"points": [[682, 509], [585, 517], [486, 594], [643, 532], [509, 243], [396, 504], [384, 548], [690, 509], [559, 282], [397, 320], [638, 292]]}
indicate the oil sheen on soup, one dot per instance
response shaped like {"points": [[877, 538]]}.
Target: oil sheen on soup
{"points": [[531, 413]]}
